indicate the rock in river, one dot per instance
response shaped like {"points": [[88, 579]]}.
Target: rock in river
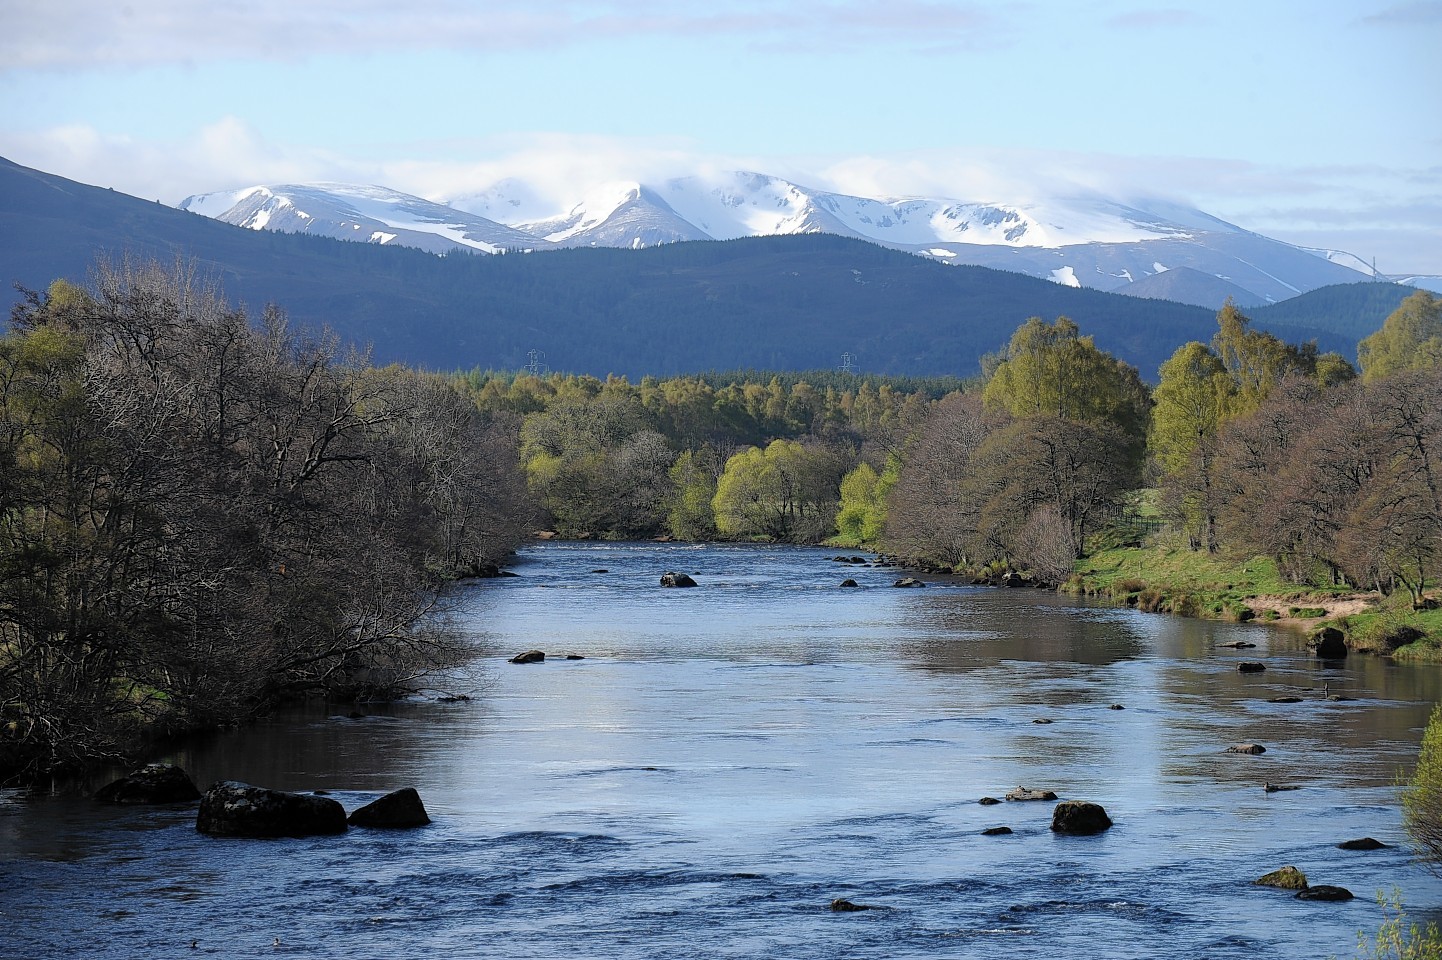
{"points": [[530, 656], [1365, 843], [1251, 666], [398, 809], [908, 582], [153, 783], [1287, 878], [672, 579], [1324, 892], [1246, 748], [232, 809], [1329, 643], [1025, 793], [1080, 818]]}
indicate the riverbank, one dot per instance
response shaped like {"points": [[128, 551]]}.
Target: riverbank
{"points": [[1170, 578]]}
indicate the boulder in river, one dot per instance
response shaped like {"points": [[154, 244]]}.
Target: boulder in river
{"points": [[397, 809], [1246, 748], [996, 831], [1364, 843], [673, 579], [848, 582], [153, 783], [843, 905], [1324, 892], [530, 656], [1329, 643], [988, 801], [1251, 666], [1286, 878], [233, 809], [908, 582], [1080, 818], [1025, 793]]}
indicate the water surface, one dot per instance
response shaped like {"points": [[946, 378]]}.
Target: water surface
{"points": [[728, 759]]}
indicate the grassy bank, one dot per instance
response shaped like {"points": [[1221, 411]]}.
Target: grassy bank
{"points": [[1170, 578]]}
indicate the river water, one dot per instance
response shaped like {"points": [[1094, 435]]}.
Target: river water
{"points": [[728, 759]]}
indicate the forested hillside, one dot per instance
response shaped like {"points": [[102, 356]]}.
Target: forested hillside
{"points": [[792, 302]]}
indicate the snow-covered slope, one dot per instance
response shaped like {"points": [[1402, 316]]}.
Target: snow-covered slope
{"points": [[1079, 241], [362, 213]]}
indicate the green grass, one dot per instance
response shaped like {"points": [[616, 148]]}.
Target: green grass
{"points": [[1169, 577], [1172, 578]]}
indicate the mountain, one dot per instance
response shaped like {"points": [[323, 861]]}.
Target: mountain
{"points": [[1090, 242], [365, 214], [778, 302]]}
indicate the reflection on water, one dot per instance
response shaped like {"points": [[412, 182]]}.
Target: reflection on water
{"points": [[730, 758]]}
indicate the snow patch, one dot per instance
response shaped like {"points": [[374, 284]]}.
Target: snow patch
{"points": [[1065, 276], [380, 236], [1157, 267], [939, 252]]}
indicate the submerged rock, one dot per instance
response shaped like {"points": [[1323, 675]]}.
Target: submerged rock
{"points": [[1251, 666], [908, 582], [988, 801], [673, 579], [152, 783], [1365, 843], [843, 905], [996, 831], [1287, 878], [1279, 787], [396, 810], [848, 582], [1080, 818], [1324, 892], [1246, 748], [233, 809], [530, 656]]}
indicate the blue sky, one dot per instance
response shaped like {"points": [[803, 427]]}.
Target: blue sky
{"points": [[1313, 122]]}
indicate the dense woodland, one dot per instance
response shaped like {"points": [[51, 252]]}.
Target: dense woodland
{"points": [[204, 512]]}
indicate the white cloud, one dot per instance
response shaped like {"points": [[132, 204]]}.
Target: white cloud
{"points": [[81, 34], [1392, 214]]}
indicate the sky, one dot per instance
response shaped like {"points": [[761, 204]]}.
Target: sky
{"points": [[1315, 122]]}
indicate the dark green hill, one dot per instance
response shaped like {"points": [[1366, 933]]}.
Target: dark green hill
{"points": [[1350, 310], [796, 302]]}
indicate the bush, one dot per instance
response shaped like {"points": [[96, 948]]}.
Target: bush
{"points": [[1422, 799]]}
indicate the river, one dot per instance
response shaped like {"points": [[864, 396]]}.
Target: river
{"points": [[727, 760]]}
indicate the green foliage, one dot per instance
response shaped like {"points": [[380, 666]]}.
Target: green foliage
{"points": [[1410, 339], [691, 516], [1422, 798], [1051, 370], [1396, 938], [786, 492]]}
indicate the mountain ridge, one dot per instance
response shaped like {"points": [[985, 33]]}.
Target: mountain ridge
{"points": [[1084, 241]]}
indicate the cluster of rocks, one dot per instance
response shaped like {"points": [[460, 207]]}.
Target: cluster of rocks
{"points": [[1290, 878], [539, 656], [233, 809]]}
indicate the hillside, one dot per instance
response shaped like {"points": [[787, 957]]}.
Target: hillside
{"points": [[783, 302]]}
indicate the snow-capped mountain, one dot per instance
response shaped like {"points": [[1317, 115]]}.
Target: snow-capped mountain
{"points": [[366, 214], [1079, 241]]}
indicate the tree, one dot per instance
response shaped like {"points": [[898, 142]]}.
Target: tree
{"points": [[1192, 399], [1051, 370], [787, 492], [200, 516], [1410, 339]]}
